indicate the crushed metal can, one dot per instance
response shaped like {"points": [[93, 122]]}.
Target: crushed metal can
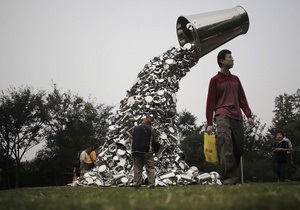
{"points": [[153, 94]]}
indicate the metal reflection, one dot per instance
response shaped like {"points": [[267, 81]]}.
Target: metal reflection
{"points": [[154, 94]]}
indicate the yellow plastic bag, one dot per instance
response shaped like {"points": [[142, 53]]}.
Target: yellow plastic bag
{"points": [[210, 148]]}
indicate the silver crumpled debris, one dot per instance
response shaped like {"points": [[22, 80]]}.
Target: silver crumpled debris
{"points": [[153, 94]]}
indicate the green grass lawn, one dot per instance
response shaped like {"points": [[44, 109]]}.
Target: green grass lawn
{"points": [[241, 197]]}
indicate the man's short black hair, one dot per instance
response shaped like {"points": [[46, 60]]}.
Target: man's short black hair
{"points": [[279, 131], [221, 56]]}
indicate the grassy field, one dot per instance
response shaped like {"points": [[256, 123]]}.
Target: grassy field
{"points": [[241, 197]]}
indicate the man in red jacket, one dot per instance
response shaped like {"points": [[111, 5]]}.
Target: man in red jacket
{"points": [[225, 100]]}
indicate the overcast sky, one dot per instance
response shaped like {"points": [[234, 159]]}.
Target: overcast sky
{"points": [[97, 48]]}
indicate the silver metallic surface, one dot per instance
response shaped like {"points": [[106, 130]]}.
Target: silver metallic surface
{"points": [[154, 94], [210, 30]]}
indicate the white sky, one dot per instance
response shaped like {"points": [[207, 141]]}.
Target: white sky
{"points": [[97, 48]]}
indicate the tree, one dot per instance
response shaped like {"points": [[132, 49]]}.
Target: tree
{"points": [[287, 116], [192, 146], [287, 119], [22, 117], [256, 146], [186, 124], [192, 141], [257, 153], [74, 123]]}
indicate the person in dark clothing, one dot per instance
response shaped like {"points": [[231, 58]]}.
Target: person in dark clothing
{"points": [[289, 160], [142, 152], [225, 100], [280, 149]]}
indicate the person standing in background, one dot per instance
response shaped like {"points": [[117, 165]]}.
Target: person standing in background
{"points": [[83, 160], [280, 149], [90, 162], [142, 152]]}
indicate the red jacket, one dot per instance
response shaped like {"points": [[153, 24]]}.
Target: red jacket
{"points": [[226, 96]]}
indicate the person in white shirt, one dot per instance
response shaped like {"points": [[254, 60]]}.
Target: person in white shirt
{"points": [[83, 158]]}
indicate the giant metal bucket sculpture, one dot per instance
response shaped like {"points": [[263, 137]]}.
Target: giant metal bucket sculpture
{"points": [[154, 94]]}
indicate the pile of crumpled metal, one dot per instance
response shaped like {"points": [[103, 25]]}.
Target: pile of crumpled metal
{"points": [[153, 94]]}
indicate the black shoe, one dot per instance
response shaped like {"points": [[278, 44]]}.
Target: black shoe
{"points": [[137, 187], [227, 183], [230, 181], [152, 187]]}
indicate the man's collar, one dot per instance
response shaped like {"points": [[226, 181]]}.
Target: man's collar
{"points": [[224, 75]]}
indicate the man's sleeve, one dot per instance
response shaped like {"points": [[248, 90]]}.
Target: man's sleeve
{"points": [[243, 102], [93, 156], [210, 102], [286, 144], [153, 134], [289, 143]]}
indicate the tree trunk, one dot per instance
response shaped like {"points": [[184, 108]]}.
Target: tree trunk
{"points": [[17, 175]]}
